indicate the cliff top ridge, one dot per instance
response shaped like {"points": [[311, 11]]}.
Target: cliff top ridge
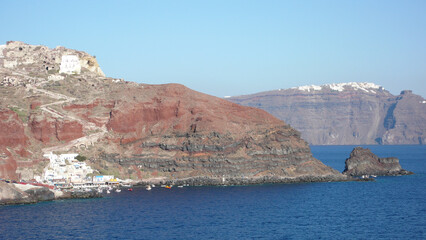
{"points": [[41, 62]]}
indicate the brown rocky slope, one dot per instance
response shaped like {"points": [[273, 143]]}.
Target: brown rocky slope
{"points": [[146, 132], [346, 113]]}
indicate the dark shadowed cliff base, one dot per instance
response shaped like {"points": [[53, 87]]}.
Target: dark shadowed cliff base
{"points": [[205, 181]]}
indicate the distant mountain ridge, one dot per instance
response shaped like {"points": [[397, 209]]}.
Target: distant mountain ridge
{"points": [[346, 113]]}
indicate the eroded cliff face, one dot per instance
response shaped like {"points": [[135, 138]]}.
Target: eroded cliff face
{"points": [[51, 130], [406, 120], [13, 142], [346, 114], [157, 132]]}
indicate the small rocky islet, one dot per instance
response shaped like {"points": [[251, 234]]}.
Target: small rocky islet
{"points": [[362, 162]]}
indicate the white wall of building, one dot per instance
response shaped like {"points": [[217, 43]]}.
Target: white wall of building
{"points": [[70, 64], [2, 47]]}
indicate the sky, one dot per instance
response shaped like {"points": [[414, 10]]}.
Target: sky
{"points": [[229, 48]]}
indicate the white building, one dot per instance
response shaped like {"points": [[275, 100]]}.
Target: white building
{"points": [[70, 64], [2, 47], [66, 167], [103, 178]]}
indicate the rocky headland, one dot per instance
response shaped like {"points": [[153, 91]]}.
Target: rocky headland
{"points": [[362, 162], [346, 113], [149, 133], [18, 193]]}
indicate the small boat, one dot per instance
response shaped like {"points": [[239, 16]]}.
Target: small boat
{"points": [[108, 192], [148, 187], [180, 186], [117, 190], [130, 189], [168, 187], [100, 190]]}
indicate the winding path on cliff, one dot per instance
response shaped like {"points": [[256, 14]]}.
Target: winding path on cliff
{"points": [[96, 132]]}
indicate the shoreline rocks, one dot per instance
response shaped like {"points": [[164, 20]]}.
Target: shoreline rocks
{"points": [[15, 194], [79, 195], [363, 162], [240, 181]]}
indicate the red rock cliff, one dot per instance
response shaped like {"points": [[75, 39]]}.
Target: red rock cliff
{"points": [[182, 133], [12, 142]]}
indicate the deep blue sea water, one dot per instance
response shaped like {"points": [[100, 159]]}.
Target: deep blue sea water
{"points": [[390, 208]]}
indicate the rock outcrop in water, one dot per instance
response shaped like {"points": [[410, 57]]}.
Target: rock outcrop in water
{"points": [[363, 162], [346, 113], [141, 131]]}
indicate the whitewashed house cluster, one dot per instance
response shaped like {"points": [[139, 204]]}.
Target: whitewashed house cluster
{"points": [[66, 168]]}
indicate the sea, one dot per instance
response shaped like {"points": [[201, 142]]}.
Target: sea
{"points": [[388, 208]]}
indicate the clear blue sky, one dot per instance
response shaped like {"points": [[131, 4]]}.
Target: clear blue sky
{"points": [[235, 47]]}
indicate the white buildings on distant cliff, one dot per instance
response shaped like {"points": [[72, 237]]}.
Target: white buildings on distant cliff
{"points": [[70, 64], [66, 168]]}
